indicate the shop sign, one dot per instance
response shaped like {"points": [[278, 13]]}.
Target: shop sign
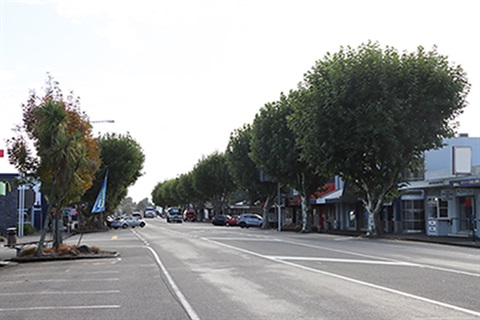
{"points": [[447, 194], [464, 192], [474, 182], [432, 228]]}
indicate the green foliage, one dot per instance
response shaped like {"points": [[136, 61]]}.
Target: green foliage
{"points": [[66, 155], [127, 206], [370, 113], [212, 180], [143, 205], [27, 229], [123, 157], [275, 150], [245, 173]]}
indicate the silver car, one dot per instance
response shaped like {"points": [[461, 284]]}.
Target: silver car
{"points": [[250, 220], [126, 222]]}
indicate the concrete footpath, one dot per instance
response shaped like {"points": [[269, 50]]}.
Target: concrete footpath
{"points": [[6, 253]]}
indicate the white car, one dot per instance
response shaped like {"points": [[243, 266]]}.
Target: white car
{"points": [[126, 222], [250, 220]]}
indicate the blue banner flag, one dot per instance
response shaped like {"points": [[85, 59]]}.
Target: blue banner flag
{"points": [[99, 205]]}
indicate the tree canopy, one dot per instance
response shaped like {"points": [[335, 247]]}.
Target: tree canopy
{"points": [[275, 150], [123, 157], [66, 155], [212, 180], [369, 113]]}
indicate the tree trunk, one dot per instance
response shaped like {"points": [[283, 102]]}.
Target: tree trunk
{"points": [[305, 215], [373, 204], [266, 209], [43, 234]]}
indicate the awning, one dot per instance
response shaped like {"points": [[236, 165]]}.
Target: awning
{"points": [[331, 197]]}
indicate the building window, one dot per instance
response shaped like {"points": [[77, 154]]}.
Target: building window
{"points": [[442, 210], [437, 208]]}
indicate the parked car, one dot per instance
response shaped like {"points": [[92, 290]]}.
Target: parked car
{"points": [[189, 215], [250, 220], [125, 222], [150, 214], [174, 215], [232, 220], [219, 220]]}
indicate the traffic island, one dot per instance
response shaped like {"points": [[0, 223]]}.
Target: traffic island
{"points": [[64, 252]]}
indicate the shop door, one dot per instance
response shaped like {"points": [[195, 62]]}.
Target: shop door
{"points": [[466, 213]]}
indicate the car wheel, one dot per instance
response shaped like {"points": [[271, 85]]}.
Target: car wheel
{"points": [[242, 225], [142, 225], [115, 228], [125, 226]]}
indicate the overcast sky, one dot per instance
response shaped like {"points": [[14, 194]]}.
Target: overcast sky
{"points": [[181, 75]]}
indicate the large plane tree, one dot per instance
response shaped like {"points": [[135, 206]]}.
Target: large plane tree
{"points": [[369, 113]]}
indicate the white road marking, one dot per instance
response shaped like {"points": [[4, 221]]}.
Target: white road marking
{"points": [[245, 239], [392, 263], [61, 308], [367, 284], [31, 293], [385, 259], [181, 298], [186, 305], [61, 280]]}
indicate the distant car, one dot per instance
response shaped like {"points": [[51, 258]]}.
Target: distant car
{"points": [[150, 214], [189, 215], [174, 215], [137, 215], [250, 220], [219, 220], [232, 220], [125, 222]]}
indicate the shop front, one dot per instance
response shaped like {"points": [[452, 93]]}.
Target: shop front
{"points": [[453, 209]]}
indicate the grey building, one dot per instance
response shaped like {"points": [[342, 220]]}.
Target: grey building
{"points": [[8, 202]]}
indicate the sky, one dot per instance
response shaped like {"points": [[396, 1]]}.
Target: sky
{"points": [[181, 75]]}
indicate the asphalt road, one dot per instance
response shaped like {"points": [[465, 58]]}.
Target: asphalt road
{"points": [[198, 271]]}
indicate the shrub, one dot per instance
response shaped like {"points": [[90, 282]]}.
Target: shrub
{"points": [[28, 229], [292, 227]]}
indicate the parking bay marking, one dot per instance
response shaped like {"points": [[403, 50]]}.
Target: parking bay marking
{"points": [[31, 293], [61, 308]]}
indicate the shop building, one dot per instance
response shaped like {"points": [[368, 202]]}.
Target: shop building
{"points": [[444, 200], [447, 201]]}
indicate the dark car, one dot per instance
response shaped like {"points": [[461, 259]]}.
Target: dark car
{"points": [[232, 220], [219, 220], [174, 215]]}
